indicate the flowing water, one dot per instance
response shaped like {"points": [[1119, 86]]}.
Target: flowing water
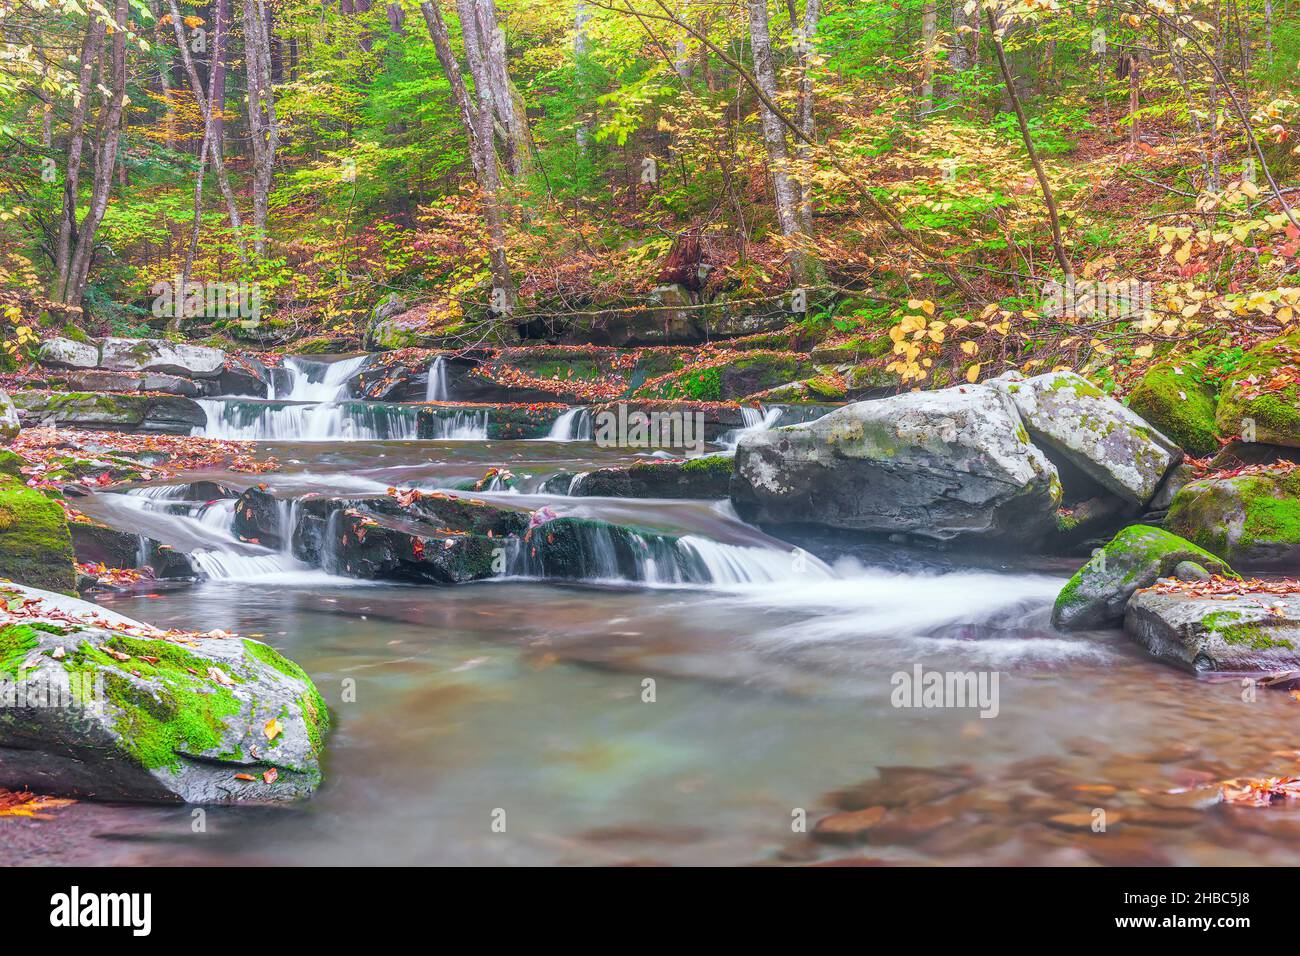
{"points": [[682, 720]]}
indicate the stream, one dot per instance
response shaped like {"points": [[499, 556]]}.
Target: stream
{"points": [[457, 707]]}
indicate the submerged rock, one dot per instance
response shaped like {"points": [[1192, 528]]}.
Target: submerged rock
{"points": [[947, 464], [708, 476], [1135, 558], [35, 548], [1253, 520], [1072, 417], [117, 710], [1255, 632]]}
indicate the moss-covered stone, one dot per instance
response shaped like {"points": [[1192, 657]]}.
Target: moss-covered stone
{"points": [[35, 547], [749, 374], [1253, 520], [1177, 399], [1250, 406], [1135, 558]]}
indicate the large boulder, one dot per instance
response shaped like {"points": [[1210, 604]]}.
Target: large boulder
{"points": [[1070, 416], [1135, 558], [1254, 632], [1261, 400], [65, 353], [708, 476], [173, 414], [35, 548], [10, 425], [159, 355], [947, 464], [1252, 519], [118, 710], [1176, 398]]}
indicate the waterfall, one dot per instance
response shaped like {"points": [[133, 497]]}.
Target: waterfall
{"points": [[458, 425], [755, 419], [574, 425], [326, 421], [734, 564], [228, 566], [436, 390], [315, 381]]}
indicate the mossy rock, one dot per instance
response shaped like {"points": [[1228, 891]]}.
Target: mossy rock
{"points": [[144, 718], [1257, 633], [708, 476], [1249, 408], [1135, 558], [35, 547], [12, 464], [1176, 398], [1252, 520], [746, 374]]}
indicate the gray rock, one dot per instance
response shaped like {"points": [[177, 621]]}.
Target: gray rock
{"points": [[708, 476], [1189, 571], [159, 355], [1178, 477], [943, 465], [65, 353], [1250, 519], [175, 721], [1259, 632], [1135, 558], [1069, 415], [172, 414], [10, 425]]}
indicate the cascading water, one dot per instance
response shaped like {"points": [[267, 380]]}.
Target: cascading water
{"points": [[329, 421], [457, 425], [437, 389], [574, 425], [756, 420], [313, 381]]}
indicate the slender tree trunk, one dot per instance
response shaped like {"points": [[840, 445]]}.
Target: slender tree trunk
{"points": [[263, 131], [581, 17], [1054, 219], [91, 44], [476, 116], [804, 114], [929, 31], [783, 187], [110, 134]]}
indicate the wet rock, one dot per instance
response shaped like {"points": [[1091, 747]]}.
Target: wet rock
{"points": [[1111, 444], [153, 719], [1135, 558], [1174, 482], [847, 827], [10, 425], [111, 411], [748, 373], [708, 476], [905, 787], [244, 375], [714, 418], [911, 825], [1253, 520], [1191, 571], [100, 380], [950, 464], [1258, 632], [260, 519], [65, 353], [583, 549]]}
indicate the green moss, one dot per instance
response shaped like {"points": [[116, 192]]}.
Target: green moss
{"points": [[1233, 628], [315, 714], [1080, 387], [1276, 414], [17, 641], [1179, 405], [35, 547], [12, 464], [1244, 518]]}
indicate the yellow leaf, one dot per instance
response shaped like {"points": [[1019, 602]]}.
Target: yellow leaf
{"points": [[973, 373], [273, 728], [1144, 351], [970, 348]]}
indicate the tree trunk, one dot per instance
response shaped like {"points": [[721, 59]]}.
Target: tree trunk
{"points": [[476, 116], [91, 44], [929, 30], [804, 115], [783, 188], [110, 133], [263, 131]]}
